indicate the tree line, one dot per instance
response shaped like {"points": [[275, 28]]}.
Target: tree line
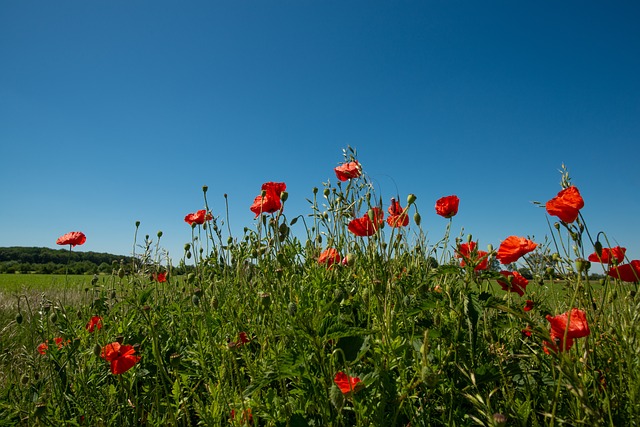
{"points": [[20, 259]]}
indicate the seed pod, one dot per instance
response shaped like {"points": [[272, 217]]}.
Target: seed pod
{"points": [[292, 308], [411, 198]]}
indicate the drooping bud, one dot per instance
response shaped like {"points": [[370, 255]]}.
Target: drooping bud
{"points": [[292, 308], [598, 248], [417, 218]]}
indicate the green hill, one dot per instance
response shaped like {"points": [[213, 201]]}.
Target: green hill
{"points": [[20, 259]]}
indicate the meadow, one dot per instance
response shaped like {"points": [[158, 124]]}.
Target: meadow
{"points": [[362, 322]]}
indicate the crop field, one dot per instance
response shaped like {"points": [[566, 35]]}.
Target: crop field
{"points": [[362, 323]]}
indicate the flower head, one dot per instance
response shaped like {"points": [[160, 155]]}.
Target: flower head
{"points": [[348, 170], [397, 216], [60, 342], [513, 282], [574, 322], [329, 256], [513, 247], [199, 217], [626, 272], [368, 224], [469, 254], [121, 357], [269, 201], [447, 206], [347, 384], [73, 238], [609, 255], [243, 339], [161, 277], [94, 322], [566, 205], [528, 305]]}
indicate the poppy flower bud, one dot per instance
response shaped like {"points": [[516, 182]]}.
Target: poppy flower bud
{"points": [[204, 188], [292, 308], [53, 317], [556, 225], [137, 224], [121, 272], [187, 246], [315, 190], [19, 318], [417, 218], [24, 379], [411, 198], [582, 264], [326, 192], [97, 350], [598, 248], [195, 299], [159, 234], [284, 196], [293, 221]]}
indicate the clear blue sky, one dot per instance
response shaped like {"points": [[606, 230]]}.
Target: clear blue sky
{"points": [[118, 111]]}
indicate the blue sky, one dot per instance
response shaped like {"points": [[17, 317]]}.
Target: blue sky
{"points": [[114, 112]]}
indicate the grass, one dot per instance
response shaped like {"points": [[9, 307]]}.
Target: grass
{"points": [[259, 332]]}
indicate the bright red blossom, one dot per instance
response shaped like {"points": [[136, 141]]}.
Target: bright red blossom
{"points": [[270, 202], [397, 216], [348, 170], [60, 342], [469, 254], [121, 357], [347, 384], [199, 217], [513, 247], [609, 255], [513, 282], [368, 224], [243, 339], [329, 256], [161, 277], [627, 272], [73, 238], [447, 206], [573, 322], [528, 306], [94, 322], [566, 205]]}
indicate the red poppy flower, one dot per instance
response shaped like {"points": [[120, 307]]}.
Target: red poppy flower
{"points": [[43, 347], [609, 255], [161, 277], [198, 217], [348, 170], [447, 206], [397, 216], [365, 226], [575, 318], [469, 254], [347, 384], [94, 322], [329, 256], [513, 282], [513, 247], [566, 205], [270, 202], [626, 272], [527, 332], [122, 357], [528, 305], [243, 338], [247, 416], [73, 238]]}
